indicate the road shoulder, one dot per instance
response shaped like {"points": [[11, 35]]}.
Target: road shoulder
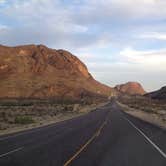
{"points": [[147, 117]]}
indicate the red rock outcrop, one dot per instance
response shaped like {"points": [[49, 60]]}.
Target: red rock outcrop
{"points": [[131, 88], [38, 71]]}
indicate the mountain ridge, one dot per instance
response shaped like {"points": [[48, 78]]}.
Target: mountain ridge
{"points": [[158, 94], [39, 71]]}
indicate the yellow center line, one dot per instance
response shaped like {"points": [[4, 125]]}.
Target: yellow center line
{"points": [[97, 133]]}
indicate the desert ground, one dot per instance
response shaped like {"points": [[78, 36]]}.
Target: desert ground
{"points": [[18, 115], [152, 111]]}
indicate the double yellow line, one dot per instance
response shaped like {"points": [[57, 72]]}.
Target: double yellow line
{"points": [[97, 133]]}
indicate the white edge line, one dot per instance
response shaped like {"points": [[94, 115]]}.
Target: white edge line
{"points": [[150, 141], [15, 135], [15, 150]]}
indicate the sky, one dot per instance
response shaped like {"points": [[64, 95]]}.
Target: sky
{"points": [[118, 40]]}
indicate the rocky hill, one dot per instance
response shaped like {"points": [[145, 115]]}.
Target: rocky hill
{"points": [[131, 88], [35, 71], [159, 94]]}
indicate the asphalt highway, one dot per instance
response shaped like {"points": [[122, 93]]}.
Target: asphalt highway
{"points": [[104, 137]]}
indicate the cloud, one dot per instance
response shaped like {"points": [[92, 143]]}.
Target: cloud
{"points": [[149, 59], [154, 35], [121, 11], [3, 27], [2, 1], [76, 25], [144, 66], [47, 22], [97, 31]]}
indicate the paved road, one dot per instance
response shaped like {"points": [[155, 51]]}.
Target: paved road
{"points": [[105, 137]]}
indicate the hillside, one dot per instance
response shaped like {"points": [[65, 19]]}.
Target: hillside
{"points": [[130, 88], [35, 71], [159, 94]]}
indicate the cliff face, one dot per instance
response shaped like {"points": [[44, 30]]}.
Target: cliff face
{"points": [[159, 94], [131, 88], [38, 71]]}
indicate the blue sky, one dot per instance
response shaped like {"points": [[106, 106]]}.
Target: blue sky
{"points": [[118, 40]]}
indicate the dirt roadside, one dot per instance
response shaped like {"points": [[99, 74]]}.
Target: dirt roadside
{"points": [[47, 120], [152, 118]]}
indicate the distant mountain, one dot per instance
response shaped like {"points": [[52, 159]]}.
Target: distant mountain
{"points": [[37, 71], [131, 88], [159, 94]]}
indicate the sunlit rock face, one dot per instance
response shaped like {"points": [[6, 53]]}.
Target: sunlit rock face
{"points": [[38, 71], [131, 88]]}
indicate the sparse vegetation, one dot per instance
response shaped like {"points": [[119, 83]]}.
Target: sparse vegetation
{"points": [[23, 120], [155, 109], [23, 113]]}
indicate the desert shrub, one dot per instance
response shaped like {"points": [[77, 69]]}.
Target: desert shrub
{"points": [[23, 120], [148, 110]]}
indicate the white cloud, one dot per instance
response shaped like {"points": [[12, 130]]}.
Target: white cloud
{"points": [[40, 21], [76, 25], [2, 1], [148, 60], [144, 66], [3, 27], [153, 35], [126, 9]]}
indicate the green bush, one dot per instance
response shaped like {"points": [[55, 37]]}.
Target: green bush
{"points": [[24, 120]]}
